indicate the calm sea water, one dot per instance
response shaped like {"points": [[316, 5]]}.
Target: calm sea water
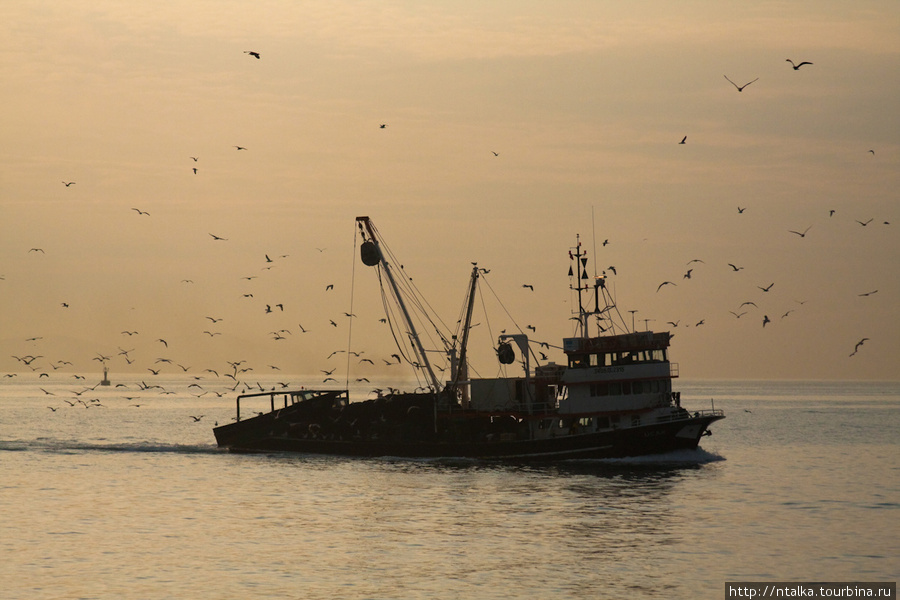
{"points": [[800, 482]]}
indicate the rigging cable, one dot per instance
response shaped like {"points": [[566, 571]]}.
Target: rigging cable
{"points": [[350, 328]]}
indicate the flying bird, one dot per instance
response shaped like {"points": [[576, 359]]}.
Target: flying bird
{"points": [[664, 283], [252, 53], [683, 140], [869, 293], [140, 212], [196, 419], [68, 183], [858, 344], [240, 147], [734, 267], [766, 320], [529, 286], [800, 234], [864, 224], [741, 210], [767, 288], [797, 66], [215, 237], [494, 153], [740, 88]]}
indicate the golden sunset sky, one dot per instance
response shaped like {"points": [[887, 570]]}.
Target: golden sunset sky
{"points": [[584, 104]]}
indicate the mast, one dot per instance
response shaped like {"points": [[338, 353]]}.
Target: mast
{"points": [[462, 371], [371, 256], [581, 276]]}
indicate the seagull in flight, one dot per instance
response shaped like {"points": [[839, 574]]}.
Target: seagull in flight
{"points": [[797, 66], [240, 147], [215, 237], [734, 267], [252, 53], [140, 212], [740, 88], [869, 293], [767, 288], [858, 344], [664, 283], [68, 183], [529, 286], [683, 140], [801, 234], [864, 224], [741, 210]]}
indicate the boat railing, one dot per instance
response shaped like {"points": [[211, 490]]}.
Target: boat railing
{"points": [[708, 412], [683, 415], [289, 397]]}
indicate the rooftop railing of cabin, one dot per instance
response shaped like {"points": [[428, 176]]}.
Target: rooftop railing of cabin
{"points": [[289, 397], [641, 340]]}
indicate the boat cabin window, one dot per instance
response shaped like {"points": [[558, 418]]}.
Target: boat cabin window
{"points": [[577, 361], [635, 420]]}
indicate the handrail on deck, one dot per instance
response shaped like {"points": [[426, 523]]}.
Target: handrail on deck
{"points": [[294, 395]]}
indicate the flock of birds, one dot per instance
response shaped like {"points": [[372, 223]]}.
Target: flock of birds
{"points": [[765, 319], [237, 376]]}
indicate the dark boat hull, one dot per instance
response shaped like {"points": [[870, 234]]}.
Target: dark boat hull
{"points": [[259, 434]]}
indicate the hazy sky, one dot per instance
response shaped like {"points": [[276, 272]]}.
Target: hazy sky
{"points": [[584, 104]]}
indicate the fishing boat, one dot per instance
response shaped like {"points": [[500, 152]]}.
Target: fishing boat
{"points": [[612, 397]]}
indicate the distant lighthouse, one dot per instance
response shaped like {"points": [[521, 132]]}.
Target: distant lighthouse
{"points": [[105, 380]]}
